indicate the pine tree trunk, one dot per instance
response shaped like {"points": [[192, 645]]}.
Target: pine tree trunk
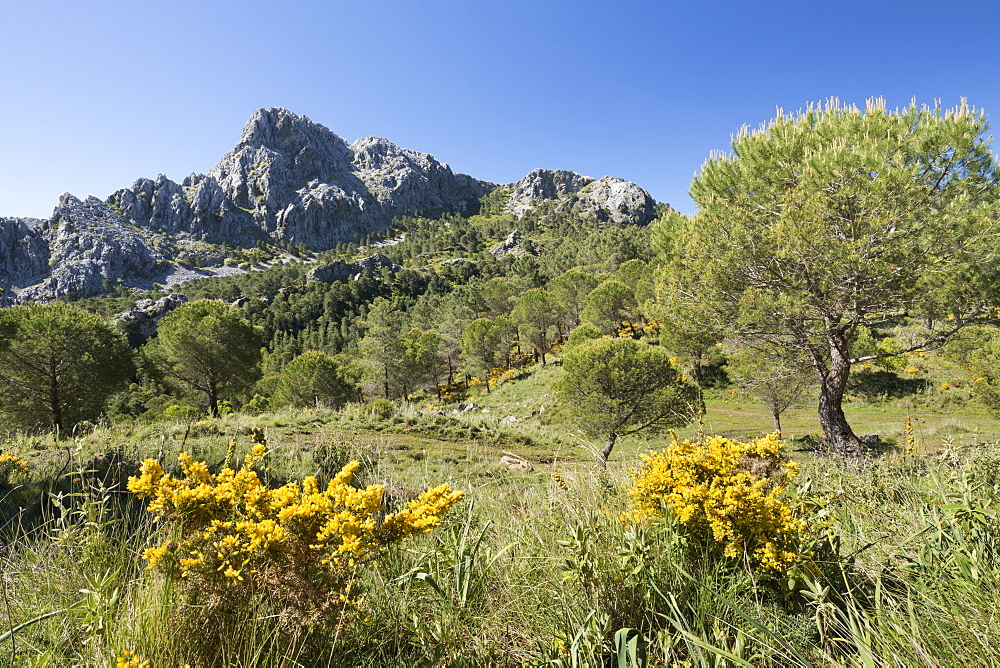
{"points": [[833, 383], [54, 400], [606, 452]]}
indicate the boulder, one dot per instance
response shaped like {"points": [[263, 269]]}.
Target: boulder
{"points": [[516, 464]]}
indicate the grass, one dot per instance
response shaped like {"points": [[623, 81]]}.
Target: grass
{"points": [[533, 569]]}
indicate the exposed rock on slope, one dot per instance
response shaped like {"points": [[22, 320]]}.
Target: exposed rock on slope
{"points": [[290, 179], [343, 271], [139, 322], [510, 246], [606, 199], [544, 184], [92, 249], [24, 254]]}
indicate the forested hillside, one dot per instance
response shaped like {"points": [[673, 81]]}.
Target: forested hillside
{"points": [[440, 275]]}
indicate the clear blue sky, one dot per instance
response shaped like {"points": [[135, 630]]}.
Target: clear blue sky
{"points": [[96, 94]]}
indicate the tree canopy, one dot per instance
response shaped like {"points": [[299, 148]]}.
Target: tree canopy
{"points": [[58, 365], [617, 387], [485, 344], [834, 218], [207, 347], [769, 375], [537, 315], [312, 379], [609, 306], [397, 358]]}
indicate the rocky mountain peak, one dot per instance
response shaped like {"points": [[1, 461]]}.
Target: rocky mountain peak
{"points": [[278, 129], [287, 180]]}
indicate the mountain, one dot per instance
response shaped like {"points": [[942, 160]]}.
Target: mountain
{"points": [[290, 179], [287, 180]]}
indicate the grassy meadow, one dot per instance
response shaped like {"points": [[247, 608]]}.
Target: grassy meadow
{"points": [[898, 568]]}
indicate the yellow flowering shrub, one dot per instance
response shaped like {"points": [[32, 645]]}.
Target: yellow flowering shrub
{"points": [[11, 464], [131, 660], [299, 544], [725, 494]]}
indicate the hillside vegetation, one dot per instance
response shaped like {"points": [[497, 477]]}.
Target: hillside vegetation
{"points": [[763, 436]]}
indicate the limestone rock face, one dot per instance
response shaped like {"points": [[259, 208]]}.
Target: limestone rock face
{"points": [[290, 179], [544, 184], [92, 249], [139, 322], [24, 254], [510, 245], [618, 201], [606, 199], [341, 270], [402, 180], [377, 261]]}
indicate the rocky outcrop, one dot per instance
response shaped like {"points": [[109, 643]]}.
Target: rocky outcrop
{"points": [[609, 199], [139, 322], [544, 184], [290, 179], [24, 255], [511, 245], [341, 270], [92, 249], [606, 199], [402, 180]]}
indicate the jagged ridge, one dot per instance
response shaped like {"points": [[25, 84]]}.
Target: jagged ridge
{"points": [[288, 179]]}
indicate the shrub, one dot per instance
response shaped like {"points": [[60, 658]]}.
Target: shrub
{"points": [[11, 464], [382, 409], [726, 495], [179, 412], [257, 405], [298, 545], [585, 332]]}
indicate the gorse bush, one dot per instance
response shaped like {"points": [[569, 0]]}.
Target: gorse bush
{"points": [[299, 546], [11, 464], [726, 495]]}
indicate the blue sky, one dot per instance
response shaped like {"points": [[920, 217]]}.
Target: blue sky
{"points": [[96, 94]]}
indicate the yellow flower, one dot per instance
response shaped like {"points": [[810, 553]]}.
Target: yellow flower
{"points": [[726, 493], [130, 660], [10, 462], [235, 526]]}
